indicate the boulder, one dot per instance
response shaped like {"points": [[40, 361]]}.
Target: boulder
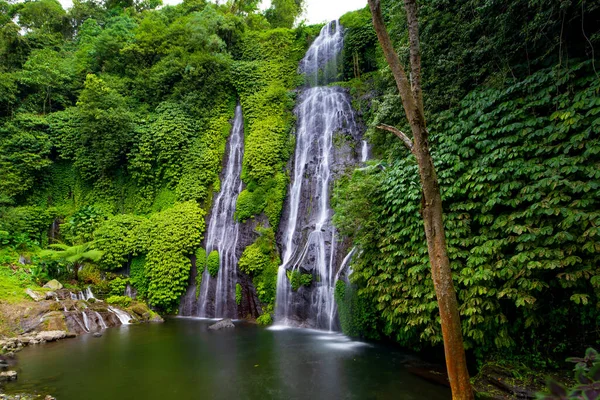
{"points": [[97, 334], [35, 296], [53, 285], [51, 296], [6, 376], [222, 324], [51, 336]]}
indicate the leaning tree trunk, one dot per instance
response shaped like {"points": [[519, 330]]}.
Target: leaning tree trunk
{"points": [[412, 101]]}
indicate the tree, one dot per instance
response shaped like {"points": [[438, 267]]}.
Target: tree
{"points": [[283, 13], [77, 255], [431, 203]]}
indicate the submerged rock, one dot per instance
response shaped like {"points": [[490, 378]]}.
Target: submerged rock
{"points": [[53, 285], [222, 324], [97, 334]]}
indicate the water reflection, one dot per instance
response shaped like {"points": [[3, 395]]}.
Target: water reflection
{"points": [[182, 359]]}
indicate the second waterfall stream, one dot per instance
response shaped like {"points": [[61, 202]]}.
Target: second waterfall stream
{"points": [[326, 139]]}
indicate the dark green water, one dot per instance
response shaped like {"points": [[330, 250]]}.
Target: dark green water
{"points": [[181, 359]]}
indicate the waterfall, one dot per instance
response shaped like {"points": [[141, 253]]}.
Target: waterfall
{"points": [[122, 315], [364, 154], [222, 235], [100, 320], [308, 238], [88, 294], [86, 321]]}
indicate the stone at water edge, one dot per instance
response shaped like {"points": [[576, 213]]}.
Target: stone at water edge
{"points": [[53, 285], [222, 324], [97, 334], [6, 376], [51, 336], [35, 296]]}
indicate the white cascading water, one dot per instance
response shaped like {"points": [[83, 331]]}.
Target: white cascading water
{"points": [[121, 315], [86, 321], [364, 154], [322, 111], [89, 294], [223, 230], [100, 320]]}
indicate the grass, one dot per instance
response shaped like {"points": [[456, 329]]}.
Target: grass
{"points": [[13, 284]]}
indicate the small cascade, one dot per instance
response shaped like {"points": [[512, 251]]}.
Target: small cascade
{"points": [[86, 321], [364, 152], [100, 320], [222, 236], [308, 237], [73, 296], [88, 294], [130, 292], [122, 315], [345, 266]]}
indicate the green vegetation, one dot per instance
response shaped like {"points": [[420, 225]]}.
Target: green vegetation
{"points": [[238, 294], [260, 260], [515, 143], [298, 279], [113, 124], [213, 263], [121, 301]]}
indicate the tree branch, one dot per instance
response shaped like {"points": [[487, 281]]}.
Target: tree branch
{"points": [[407, 141]]}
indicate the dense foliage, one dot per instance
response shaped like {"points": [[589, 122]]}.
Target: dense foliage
{"points": [[518, 161], [113, 122]]}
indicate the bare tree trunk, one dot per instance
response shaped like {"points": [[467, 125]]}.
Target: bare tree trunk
{"points": [[412, 101]]}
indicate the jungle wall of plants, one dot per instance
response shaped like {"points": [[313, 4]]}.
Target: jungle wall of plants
{"points": [[114, 118], [512, 94]]}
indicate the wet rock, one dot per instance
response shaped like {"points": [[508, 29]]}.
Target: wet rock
{"points": [[51, 336], [222, 324], [51, 295], [157, 318], [97, 334], [53, 285], [35, 296], [6, 376]]}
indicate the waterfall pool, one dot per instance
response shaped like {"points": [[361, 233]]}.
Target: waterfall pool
{"points": [[181, 359]]}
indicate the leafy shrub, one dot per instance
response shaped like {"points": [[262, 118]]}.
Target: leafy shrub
{"points": [[116, 239], [238, 294], [213, 263], [137, 276], [89, 274], [587, 375], [118, 286], [168, 238], [264, 319], [260, 260], [298, 279], [358, 316], [121, 301]]}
